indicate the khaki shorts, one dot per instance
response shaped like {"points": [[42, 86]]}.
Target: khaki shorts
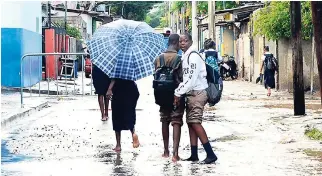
{"points": [[196, 101], [173, 117]]}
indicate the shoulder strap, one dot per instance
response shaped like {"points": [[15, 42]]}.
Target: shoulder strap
{"points": [[176, 61], [161, 58], [196, 53]]}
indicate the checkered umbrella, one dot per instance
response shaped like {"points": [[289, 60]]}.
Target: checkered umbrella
{"points": [[125, 49]]}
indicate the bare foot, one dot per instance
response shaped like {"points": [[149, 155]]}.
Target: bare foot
{"points": [[136, 142], [117, 148], [104, 118], [175, 159], [166, 154]]}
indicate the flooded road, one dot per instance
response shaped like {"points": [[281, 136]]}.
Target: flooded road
{"points": [[249, 135]]}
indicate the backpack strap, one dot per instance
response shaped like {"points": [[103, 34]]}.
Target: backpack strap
{"points": [[161, 58], [196, 53], [176, 61]]}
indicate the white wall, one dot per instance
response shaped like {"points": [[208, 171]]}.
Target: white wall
{"points": [[89, 23], [21, 14]]}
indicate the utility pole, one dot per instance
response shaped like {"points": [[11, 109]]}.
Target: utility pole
{"points": [[65, 15], [49, 14], [297, 58], [210, 20], [169, 15], [316, 7], [214, 15], [312, 65], [183, 19], [194, 22]]}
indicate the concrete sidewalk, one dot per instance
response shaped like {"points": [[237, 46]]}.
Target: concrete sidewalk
{"points": [[11, 106]]}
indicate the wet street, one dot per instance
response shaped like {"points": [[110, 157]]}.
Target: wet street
{"points": [[250, 133]]}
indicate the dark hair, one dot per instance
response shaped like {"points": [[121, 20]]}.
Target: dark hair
{"points": [[173, 39], [209, 44], [266, 48], [189, 37]]}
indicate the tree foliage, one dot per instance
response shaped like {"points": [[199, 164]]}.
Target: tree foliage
{"points": [[158, 17], [202, 6], [274, 21], [73, 32], [133, 10]]}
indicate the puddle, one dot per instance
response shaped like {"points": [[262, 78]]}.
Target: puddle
{"points": [[8, 157]]}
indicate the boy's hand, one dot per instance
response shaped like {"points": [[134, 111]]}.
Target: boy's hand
{"points": [[109, 94], [176, 101]]}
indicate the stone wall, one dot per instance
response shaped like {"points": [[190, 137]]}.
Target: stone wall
{"points": [[285, 60]]}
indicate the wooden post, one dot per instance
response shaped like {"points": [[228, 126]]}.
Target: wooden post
{"points": [[210, 19], [297, 58], [317, 31]]}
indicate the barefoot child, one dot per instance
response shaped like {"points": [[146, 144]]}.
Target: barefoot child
{"points": [[164, 95]]}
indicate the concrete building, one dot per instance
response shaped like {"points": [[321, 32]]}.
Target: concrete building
{"points": [[234, 37], [21, 33], [83, 15]]}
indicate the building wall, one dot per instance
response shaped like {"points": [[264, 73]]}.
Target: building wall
{"points": [[227, 41], [286, 69], [20, 34]]}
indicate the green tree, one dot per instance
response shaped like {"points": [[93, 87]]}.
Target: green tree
{"points": [[158, 16], [133, 10], [274, 22]]}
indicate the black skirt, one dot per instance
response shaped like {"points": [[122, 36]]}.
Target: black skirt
{"points": [[101, 81], [269, 79], [124, 100]]}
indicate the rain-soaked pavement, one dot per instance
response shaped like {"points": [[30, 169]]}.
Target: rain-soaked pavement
{"points": [[249, 135]]}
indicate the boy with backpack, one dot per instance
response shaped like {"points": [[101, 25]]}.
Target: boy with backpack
{"points": [[167, 77], [270, 66], [211, 55]]}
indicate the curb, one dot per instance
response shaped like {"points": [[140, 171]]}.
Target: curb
{"points": [[25, 113], [35, 91]]}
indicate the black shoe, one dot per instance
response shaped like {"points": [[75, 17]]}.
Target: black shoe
{"points": [[209, 160], [191, 159]]}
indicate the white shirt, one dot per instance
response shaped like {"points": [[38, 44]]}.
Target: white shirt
{"points": [[194, 73], [263, 57]]}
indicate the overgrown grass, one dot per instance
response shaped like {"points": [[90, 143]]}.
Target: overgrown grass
{"points": [[314, 134]]}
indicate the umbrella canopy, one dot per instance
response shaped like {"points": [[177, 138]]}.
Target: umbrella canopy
{"points": [[125, 49]]}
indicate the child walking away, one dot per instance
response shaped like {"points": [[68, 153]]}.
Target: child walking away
{"points": [[270, 66], [167, 76], [194, 86], [211, 55]]}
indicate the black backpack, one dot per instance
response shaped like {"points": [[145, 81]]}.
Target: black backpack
{"points": [[270, 62], [215, 83], [164, 82]]}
